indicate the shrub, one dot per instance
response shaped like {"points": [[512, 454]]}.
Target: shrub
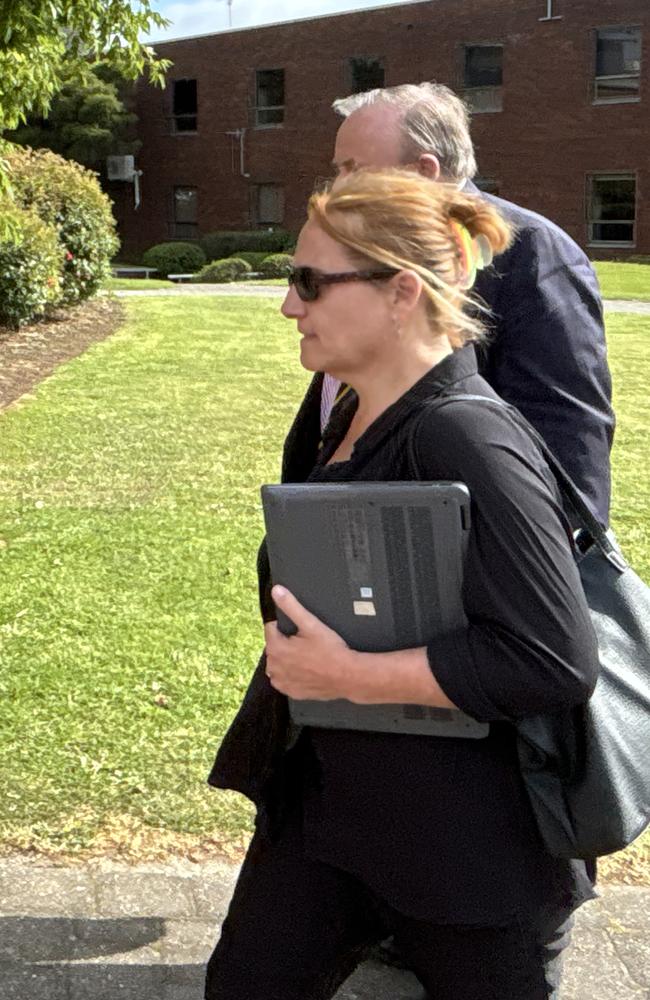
{"points": [[252, 257], [224, 244], [174, 258], [276, 265], [68, 197], [31, 268], [218, 271]]}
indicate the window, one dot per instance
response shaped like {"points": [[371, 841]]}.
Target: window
{"points": [[365, 74], [618, 65], [269, 97], [483, 77], [186, 213], [184, 105], [611, 209], [270, 205]]}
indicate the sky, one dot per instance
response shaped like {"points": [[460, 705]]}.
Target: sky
{"points": [[197, 17]]}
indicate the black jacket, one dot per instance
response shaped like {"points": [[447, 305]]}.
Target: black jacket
{"points": [[392, 809]]}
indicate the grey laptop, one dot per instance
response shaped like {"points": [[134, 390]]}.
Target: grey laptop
{"points": [[382, 564]]}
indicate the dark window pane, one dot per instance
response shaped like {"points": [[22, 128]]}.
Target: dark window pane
{"points": [[612, 209], [270, 203], [617, 88], [273, 116], [483, 65], [270, 88], [367, 74], [618, 51], [184, 105]]}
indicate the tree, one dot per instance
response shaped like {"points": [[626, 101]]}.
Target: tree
{"points": [[87, 121], [43, 41]]}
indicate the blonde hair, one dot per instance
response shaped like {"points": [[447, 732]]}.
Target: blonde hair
{"points": [[402, 220]]}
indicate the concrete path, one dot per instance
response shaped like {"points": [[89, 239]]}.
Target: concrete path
{"points": [[279, 291], [107, 931]]}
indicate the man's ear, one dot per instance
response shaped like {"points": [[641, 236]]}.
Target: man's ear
{"points": [[429, 166]]}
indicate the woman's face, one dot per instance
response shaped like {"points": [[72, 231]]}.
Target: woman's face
{"points": [[350, 326]]}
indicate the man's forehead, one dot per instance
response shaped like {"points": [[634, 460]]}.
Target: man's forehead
{"points": [[369, 136]]}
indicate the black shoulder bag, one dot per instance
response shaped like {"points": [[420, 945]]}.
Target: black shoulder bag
{"points": [[587, 771]]}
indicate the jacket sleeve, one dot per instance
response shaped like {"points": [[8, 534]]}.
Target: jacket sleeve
{"points": [[547, 355], [529, 645]]}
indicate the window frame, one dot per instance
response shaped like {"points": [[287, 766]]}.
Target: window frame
{"points": [[590, 222], [470, 93], [175, 223], [258, 190], [257, 107], [629, 99]]}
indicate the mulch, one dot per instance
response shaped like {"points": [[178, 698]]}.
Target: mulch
{"points": [[30, 354]]}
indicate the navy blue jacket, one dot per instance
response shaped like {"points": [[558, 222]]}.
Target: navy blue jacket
{"points": [[546, 354]]}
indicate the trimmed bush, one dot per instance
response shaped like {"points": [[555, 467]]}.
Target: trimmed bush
{"points": [[224, 244], [174, 258], [252, 257], [219, 271], [31, 267], [276, 265], [68, 197]]}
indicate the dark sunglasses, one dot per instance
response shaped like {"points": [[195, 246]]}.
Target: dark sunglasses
{"points": [[307, 281]]}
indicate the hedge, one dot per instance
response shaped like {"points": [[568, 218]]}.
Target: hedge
{"points": [[218, 271], [225, 244], [31, 267], [174, 258], [276, 265], [68, 197]]}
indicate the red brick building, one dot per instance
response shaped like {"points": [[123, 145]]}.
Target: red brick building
{"points": [[560, 90]]}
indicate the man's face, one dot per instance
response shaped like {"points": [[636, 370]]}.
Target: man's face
{"points": [[371, 137]]}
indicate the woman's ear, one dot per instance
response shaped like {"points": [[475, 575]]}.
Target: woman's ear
{"points": [[406, 289]]}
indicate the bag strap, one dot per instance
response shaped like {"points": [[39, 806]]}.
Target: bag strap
{"points": [[590, 530]]}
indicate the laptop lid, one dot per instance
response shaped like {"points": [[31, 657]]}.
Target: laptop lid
{"points": [[381, 564]]}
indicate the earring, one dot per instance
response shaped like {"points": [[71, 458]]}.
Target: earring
{"points": [[397, 326]]}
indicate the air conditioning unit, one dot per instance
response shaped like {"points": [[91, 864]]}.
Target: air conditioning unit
{"points": [[120, 168]]}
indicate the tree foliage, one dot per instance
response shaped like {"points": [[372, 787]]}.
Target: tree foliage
{"points": [[87, 122], [42, 40]]}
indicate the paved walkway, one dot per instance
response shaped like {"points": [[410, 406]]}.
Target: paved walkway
{"points": [[279, 291], [106, 931]]}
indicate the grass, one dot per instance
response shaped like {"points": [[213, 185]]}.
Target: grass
{"points": [[129, 523], [133, 284], [623, 281]]}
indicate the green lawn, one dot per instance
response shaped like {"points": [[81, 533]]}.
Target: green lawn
{"points": [[133, 284], [129, 523], [623, 281]]}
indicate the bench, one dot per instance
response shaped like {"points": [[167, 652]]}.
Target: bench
{"points": [[132, 271]]}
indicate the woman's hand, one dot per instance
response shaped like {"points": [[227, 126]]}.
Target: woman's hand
{"points": [[315, 663]]}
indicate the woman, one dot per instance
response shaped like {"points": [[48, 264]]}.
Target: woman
{"points": [[363, 834]]}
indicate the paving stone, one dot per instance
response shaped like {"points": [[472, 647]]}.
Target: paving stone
{"points": [[633, 950], [373, 981], [44, 982], [132, 940], [45, 892], [126, 894], [629, 905], [115, 982], [593, 971], [188, 942], [36, 939], [212, 893]]}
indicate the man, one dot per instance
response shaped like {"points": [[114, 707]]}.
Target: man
{"points": [[546, 352]]}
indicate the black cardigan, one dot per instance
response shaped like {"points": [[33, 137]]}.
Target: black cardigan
{"points": [[441, 828]]}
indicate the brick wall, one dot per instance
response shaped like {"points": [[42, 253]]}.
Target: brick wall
{"points": [[539, 149]]}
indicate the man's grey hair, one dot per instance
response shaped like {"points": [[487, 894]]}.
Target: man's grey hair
{"points": [[433, 120]]}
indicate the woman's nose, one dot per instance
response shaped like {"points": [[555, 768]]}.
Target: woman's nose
{"points": [[293, 307]]}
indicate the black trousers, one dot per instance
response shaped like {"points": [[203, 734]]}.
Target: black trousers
{"points": [[297, 928]]}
